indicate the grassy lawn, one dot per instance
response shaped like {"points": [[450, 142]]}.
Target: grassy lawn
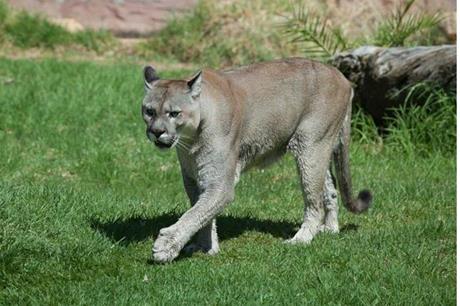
{"points": [[82, 194]]}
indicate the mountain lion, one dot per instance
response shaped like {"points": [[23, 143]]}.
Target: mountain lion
{"points": [[224, 122]]}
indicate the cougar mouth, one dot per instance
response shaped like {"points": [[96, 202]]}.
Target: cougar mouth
{"points": [[162, 145], [165, 145]]}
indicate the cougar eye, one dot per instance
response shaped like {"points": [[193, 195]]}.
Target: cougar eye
{"points": [[174, 114], [150, 112]]}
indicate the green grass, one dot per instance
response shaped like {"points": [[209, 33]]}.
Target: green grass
{"points": [[82, 194]]}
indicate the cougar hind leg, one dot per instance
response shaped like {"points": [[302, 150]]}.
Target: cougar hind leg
{"points": [[312, 167], [331, 207], [205, 240]]}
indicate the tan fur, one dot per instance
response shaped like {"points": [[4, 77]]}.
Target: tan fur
{"points": [[232, 120]]}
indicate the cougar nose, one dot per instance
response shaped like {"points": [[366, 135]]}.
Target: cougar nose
{"points": [[157, 132]]}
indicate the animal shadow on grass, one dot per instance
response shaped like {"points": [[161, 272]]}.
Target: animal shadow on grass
{"points": [[136, 229]]}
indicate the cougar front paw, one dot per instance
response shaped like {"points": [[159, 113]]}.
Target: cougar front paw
{"points": [[165, 247]]}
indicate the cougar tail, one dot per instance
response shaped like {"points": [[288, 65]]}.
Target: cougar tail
{"points": [[342, 169]]}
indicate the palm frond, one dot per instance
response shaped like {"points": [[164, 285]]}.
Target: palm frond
{"points": [[401, 25], [319, 40]]}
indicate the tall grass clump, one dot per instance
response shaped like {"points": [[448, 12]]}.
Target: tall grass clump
{"points": [[3, 15], [3, 12], [221, 34], [365, 131], [425, 123], [94, 40], [182, 35], [30, 31]]}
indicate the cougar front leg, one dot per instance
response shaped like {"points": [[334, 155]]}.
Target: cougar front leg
{"points": [[206, 239], [211, 202]]}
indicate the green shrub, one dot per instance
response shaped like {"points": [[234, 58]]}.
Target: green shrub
{"points": [[26, 30], [217, 34], [29, 31], [181, 36], [425, 123], [364, 129], [3, 12], [3, 16], [94, 40]]}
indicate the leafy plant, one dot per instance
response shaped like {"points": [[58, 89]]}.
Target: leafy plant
{"points": [[318, 38], [3, 16], [425, 123], [28, 31], [322, 41], [396, 29], [364, 129], [221, 34], [3, 12], [180, 37], [94, 40]]}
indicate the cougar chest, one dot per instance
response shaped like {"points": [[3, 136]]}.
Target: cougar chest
{"points": [[188, 164]]}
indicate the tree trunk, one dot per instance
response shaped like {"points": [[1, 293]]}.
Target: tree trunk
{"points": [[381, 74]]}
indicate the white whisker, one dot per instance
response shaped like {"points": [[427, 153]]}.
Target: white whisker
{"points": [[182, 145], [186, 137]]}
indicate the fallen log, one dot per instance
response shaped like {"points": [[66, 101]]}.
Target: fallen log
{"points": [[380, 75]]}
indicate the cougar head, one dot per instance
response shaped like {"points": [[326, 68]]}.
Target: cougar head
{"points": [[170, 108]]}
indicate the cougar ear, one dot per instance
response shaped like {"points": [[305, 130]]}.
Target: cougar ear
{"points": [[150, 76], [194, 84]]}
